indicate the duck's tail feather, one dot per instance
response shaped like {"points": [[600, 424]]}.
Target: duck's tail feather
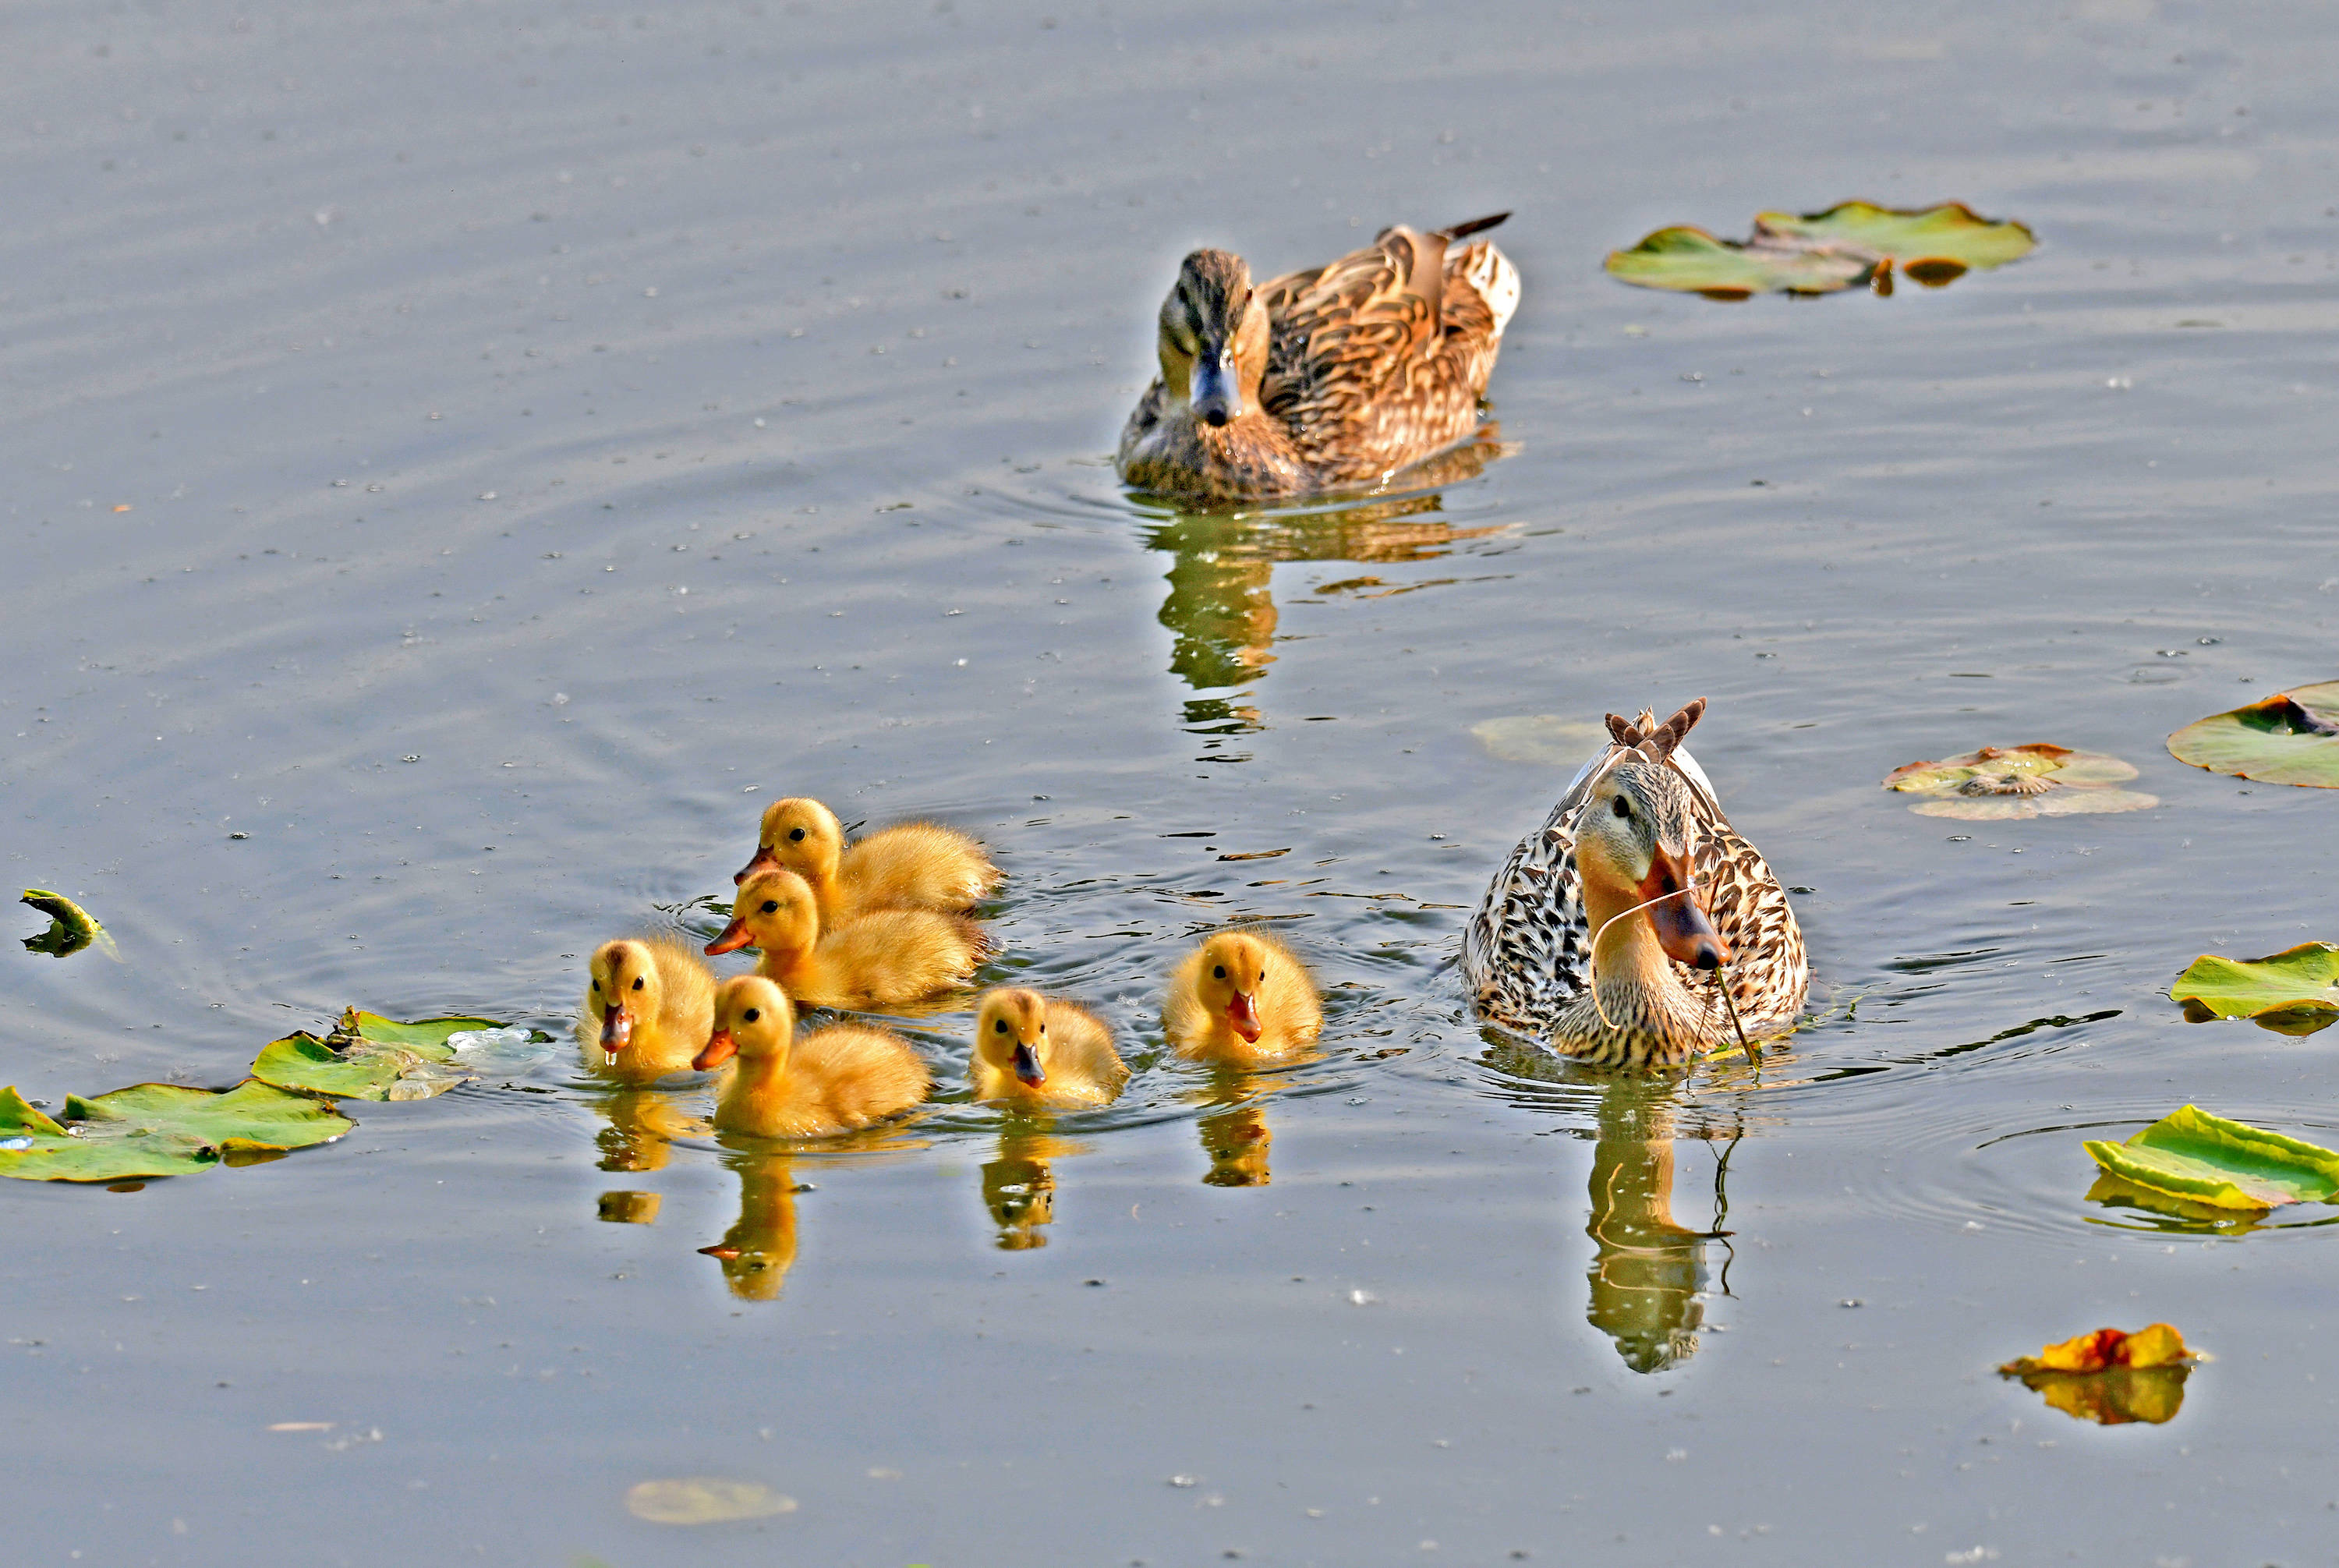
{"points": [[1475, 226]]}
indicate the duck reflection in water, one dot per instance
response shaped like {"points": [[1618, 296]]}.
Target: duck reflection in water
{"points": [[1648, 1273], [1019, 1184], [757, 1252], [1222, 606]]}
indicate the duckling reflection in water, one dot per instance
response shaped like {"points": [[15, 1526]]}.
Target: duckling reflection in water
{"points": [[1019, 1184], [759, 1248], [1648, 1272], [642, 1127]]}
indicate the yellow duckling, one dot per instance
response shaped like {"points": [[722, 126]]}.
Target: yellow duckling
{"points": [[646, 1013], [1240, 1000], [1032, 1050], [913, 865], [816, 1085], [886, 958]]}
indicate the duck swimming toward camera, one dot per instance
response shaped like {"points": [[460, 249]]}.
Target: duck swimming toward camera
{"points": [[1632, 925], [1333, 377]]}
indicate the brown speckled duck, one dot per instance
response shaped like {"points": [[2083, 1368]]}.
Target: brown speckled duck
{"points": [[1335, 377], [1611, 932]]}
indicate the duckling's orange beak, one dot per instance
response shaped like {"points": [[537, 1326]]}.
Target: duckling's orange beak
{"points": [[1243, 1013], [720, 1048], [1683, 927], [734, 937], [1026, 1067], [617, 1032], [764, 860]]}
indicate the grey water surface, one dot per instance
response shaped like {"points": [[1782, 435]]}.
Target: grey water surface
{"points": [[464, 458]]}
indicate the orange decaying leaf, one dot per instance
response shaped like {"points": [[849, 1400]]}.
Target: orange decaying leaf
{"points": [[2158, 1345]]}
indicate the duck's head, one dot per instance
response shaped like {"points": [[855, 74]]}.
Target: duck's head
{"points": [[1011, 1033], [623, 992], [773, 911], [1214, 338], [1234, 965], [753, 1021], [800, 835], [1634, 845]]}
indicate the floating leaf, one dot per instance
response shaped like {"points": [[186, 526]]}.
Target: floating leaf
{"points": [[2291, 738], [2191, 1154], [1998, 782], [1538, 738], [370, 1057], [1689, 259], [71, 929], [2111, 1376], [1822, 252], [427, 1032], [158, 1130], [705, 1500], [2293, 991]]}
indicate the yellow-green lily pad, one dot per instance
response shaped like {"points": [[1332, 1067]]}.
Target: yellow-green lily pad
{"points": [[70, 928], [2192, 1155], [1689, 259], [151, 1130], [1848, 244], [2291, 738], [370, 1057], [2000, 783], [2293, 991], [705, 1500]]}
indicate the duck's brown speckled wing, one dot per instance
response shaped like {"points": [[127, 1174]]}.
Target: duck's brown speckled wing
{"points": [[1769, 973], [1378, 358], [1523, 954]]}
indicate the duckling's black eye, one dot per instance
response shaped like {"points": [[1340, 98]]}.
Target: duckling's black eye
{"points": [[795, 835], [771, 906], [999, 1026], [637, 983], [1218, 971], [596, 985], [1624, 808], [752, 1014]]}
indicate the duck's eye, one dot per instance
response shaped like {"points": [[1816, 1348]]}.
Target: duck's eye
{"points": [[999, 1026], [1624, 808], [752, 1014], [596, 985], [637, 983], [795, 835], [1218, 971], [771, 906]]}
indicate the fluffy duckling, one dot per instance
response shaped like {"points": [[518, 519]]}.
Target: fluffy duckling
{"points": [[1242, 998], [886, 958], [816, 1085], [1036, 1052], [646, 1011], [913, 865]]}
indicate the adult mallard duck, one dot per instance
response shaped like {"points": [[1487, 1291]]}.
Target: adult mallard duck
{"points": [[1614, 931], [1333, 377]]}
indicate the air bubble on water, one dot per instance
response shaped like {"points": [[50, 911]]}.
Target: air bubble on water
{"points": [[1363, 1299]]}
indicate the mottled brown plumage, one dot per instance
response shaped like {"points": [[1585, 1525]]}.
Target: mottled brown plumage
{"points": [[1337, 377], [1527, 951]]}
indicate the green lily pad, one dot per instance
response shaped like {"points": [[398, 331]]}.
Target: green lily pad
{"points": [[2291, 738], [2191, 1154], [705, 1500], [158, 1130], [1690, 260], [1538, 738], [2000, 783], [71, 929], [370, 1057], [2293, 991], [1822, 252]]}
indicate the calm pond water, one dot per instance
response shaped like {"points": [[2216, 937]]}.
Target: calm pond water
{"points": [[483, 451]]}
